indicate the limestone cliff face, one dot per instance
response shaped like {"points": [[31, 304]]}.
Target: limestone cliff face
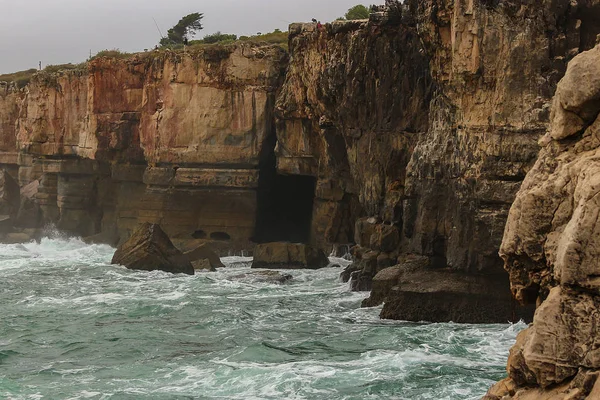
{"points": [[167, 138], [422, 128], [10, 99], [355, 100], [551, 245]]}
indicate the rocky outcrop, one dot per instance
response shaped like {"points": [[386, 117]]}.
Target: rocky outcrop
{"points": [[149, 249], [273, 277], [421, 129], [550, 249], [288, 256]]}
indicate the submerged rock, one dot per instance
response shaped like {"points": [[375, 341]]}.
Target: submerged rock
{"points": [[150, 249], [280, 255], [264, 277]]}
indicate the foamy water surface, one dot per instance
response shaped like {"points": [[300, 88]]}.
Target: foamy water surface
{"points": [[74, 327]]}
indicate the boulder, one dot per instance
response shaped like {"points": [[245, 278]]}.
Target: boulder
{"points": [[150, 249], [347, 272], [280, 255], [264, 277], [203, 257], [10, 197]]}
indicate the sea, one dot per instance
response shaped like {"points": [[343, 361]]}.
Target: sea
{"points": [[73, 326]]}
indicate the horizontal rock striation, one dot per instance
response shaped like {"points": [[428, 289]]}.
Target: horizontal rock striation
{"points": [[164, 137], [550, 249]]}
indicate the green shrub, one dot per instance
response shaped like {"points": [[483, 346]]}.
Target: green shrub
{"points": [[114, 53], [219, 37]]}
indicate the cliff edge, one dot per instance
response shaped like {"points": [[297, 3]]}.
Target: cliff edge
{"points": [[551, 247]]}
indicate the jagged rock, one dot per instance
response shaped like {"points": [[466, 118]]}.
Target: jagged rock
{"points": [[385, 238], [346, 274], [551, 246], [150, 249], [10, 197], [288, 256], [203, 257], [264, 277]]}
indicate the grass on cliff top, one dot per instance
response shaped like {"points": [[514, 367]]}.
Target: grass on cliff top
{"points": [[22, 78], [276, 37], [112, 53]]}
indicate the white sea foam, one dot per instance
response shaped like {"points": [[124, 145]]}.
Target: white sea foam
{"points": [[111, 332]]}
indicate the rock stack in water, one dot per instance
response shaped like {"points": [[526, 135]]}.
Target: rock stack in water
{"points": [[551, 249], [150, 249], [281, 255]]}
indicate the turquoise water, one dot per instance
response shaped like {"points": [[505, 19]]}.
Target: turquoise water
{"points": [[74, 327]]}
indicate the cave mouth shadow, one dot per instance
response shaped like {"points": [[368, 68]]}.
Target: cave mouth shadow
{"points": [[285, 206]]}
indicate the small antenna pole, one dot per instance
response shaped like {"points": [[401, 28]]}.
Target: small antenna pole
{"points": [[159, 32]]}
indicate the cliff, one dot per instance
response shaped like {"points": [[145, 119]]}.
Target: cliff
{"points": [[429, 123], [550, 248], [407, 134], [169, 138]]}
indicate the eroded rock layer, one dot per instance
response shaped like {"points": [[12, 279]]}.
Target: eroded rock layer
{"points": [[429, 124], [551, 247], [168, 138]]}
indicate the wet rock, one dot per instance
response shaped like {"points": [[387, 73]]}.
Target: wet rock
{"points": [[203, 256], [150, 249], [347, 272], [264, 277], [280, 255], [17, 237], [442, 295]]}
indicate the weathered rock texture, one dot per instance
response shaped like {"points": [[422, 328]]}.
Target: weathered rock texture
{"points": [[288, 256], [551, 248], [422, 131], [149, 249], [169, 138]]}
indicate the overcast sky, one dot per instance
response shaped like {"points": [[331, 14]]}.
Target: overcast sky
{"points": [[62, 31]]}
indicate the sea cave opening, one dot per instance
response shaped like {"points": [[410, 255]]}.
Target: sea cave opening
{"points": [[285, 203]]}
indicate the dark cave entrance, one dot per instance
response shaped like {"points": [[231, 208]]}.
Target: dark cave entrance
{"points": [[285, 202]]}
